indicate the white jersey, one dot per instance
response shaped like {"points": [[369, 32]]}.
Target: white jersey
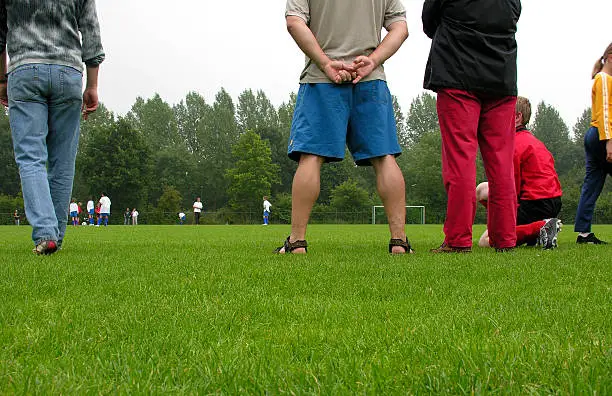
{"points": [[90, 206], [105, 205], [197, 207], [74, 207], [181, 215], [266, 206], [135, 213]]}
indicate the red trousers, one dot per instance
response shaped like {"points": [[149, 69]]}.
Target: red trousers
{"points": [[468, 121]]}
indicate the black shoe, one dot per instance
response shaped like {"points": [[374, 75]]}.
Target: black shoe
{"points": [[548, 234], [590, 239]]}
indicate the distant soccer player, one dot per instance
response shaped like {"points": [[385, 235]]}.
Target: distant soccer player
{"points": [[47, 42], [74, 212], [537, 186], [105, 210], [266, 211], [597, 147], [344, 100], [182, 217], [90, 210], [197, 210]]}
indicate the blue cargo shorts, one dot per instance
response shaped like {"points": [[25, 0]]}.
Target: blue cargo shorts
{"points": [[330, 117]]}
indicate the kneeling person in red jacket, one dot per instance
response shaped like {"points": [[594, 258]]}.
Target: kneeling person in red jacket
{"points": [[537, 187]]}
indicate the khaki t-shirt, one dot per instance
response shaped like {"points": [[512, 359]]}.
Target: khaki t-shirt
{"points": [[345, 29]]}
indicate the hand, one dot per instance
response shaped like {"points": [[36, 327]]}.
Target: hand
{"points": [[3, 94], [609, 151], [364, 65], [90, 101], [338, 71]]}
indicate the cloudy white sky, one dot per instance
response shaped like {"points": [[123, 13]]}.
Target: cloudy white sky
{"points": [[176, 47]]}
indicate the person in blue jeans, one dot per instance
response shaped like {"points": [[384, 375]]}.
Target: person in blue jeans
{"points": [[597, 148], [48, 42]]}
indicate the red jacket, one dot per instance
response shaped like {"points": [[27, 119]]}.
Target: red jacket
{"points": [[534, 168]]}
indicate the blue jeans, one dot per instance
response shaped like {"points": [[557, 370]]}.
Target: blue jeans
{"points": [[44, 110], [597, 169]]}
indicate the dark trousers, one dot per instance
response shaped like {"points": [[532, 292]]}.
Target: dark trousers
{"points": [[597, 168], [196, 217]]}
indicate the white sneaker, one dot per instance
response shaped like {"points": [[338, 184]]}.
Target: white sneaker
{"points": [[549, 232]]}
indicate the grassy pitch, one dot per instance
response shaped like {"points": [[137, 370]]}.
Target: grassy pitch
{"points": [[209, 309]]}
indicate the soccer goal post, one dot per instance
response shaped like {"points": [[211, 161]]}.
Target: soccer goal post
{"points": [[379, 211]]}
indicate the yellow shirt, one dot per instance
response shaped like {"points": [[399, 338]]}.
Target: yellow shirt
{"points": [[602, 105]]}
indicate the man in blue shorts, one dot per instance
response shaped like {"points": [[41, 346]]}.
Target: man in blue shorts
{"points": [[343, 100]]}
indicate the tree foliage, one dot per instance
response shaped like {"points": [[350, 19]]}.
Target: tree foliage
{"points": [[231, 155], [253, 173]]}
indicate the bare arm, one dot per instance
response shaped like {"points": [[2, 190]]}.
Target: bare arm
{"points": [[90, 95], [336, 71], [398, 33]]}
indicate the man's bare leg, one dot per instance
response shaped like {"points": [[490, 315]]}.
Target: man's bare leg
{"points": [[392, 190], [304, 194]]}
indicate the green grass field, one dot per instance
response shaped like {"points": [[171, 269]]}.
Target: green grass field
{"points": [[209, 309]]}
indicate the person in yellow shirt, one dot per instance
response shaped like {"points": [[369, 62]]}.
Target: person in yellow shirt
{"points": [[598, 148]]}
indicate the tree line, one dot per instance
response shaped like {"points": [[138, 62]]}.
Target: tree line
{"points": [[159, 157]]}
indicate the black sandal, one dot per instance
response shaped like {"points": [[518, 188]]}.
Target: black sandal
{"points": [[291, 246], [399, 242]]}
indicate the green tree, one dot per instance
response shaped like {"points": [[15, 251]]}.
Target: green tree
{"points": [[400, 122], [9, 174], [220, 134], [252, 175], [255, 112], [175, 167], [285, 113], [549, 127], [422, 168], [191, 115], [96, 125], [246, 113], [353, 202], [117, 160], [155, 119], [170, 201], [267, 114], [582, 125], [422, 118], [278, 144]]}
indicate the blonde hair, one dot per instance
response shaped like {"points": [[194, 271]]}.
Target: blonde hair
{"points": [[523, 106], [600, 62]]}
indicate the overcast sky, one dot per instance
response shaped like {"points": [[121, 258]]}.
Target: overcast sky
{"points": [[203, 45]]}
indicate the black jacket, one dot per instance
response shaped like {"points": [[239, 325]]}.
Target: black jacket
{"points": [[473, 45]]}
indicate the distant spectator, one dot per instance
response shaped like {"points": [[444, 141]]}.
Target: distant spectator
{"points": [[16, 217], [134, 217], [126, 216], [197, 210], [182, 217]]}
